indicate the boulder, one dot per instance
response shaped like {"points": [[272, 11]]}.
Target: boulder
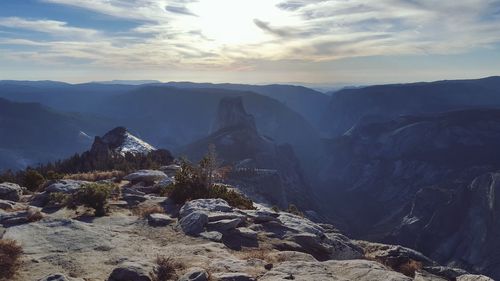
{"points": [[10, 191], [65, 186], [171, 170], [148, 176], [224, 225], [323, 247], [193, 223], [390, 254], [205, 205], [130, 271], [195, 274], [159, 219]]}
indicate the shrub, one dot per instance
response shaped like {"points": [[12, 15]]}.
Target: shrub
{"points": [[165, 269], [51, 175], [197, 182], [10, 253], [292, 209], [59, 199], [409, 268], [95, 196], [32, 180], [232, 197]]}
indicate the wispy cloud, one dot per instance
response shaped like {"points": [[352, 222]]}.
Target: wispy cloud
{"points": [[225, 33], [52, 27]]}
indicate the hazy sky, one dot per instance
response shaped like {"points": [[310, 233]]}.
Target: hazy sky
{"points": [[250, 41]]}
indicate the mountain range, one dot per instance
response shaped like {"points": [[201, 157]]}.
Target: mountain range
{"points": [[408, 164]]}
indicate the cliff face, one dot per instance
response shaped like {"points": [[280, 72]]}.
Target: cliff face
{"points": [[431, 175], [263, 169], [231, 113]]}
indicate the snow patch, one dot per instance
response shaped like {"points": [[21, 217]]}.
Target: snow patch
{"points": [[134, 145]]}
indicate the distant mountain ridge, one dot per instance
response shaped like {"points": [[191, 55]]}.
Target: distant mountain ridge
{"points": [[348, 106], [32, 134]]}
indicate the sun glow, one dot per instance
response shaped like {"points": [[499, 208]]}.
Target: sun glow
{"points": [[231, 22]]}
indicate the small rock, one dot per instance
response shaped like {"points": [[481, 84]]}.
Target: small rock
{"points": [[472, 277], [214, 236], [19, 217], [134, 200], [165, 182], [194, 223], [7, 205], [246, 233], [129, 271], [132, 191], [55, 277], [234, 277], [159, 219], [10, 191], [445, 271], [195, 274]]}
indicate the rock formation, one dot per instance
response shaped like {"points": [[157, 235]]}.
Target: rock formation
{"points": [[264, 170]]}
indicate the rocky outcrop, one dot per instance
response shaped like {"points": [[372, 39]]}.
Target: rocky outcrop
{"points": [[271, 174], [283, 230], [431, 174]]}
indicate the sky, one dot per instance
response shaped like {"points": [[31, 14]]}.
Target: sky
{"points": [[249, 41]]}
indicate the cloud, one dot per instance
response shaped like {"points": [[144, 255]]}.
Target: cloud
{"points": [[179, 10], [266, 27], [222, 34], [52, 27]]}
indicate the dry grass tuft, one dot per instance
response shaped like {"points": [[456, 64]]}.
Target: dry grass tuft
{"points": [[409, 268], [264, 254], [144, 211], [166, 269], [96, 176], [10, 253], [34, 215]]}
